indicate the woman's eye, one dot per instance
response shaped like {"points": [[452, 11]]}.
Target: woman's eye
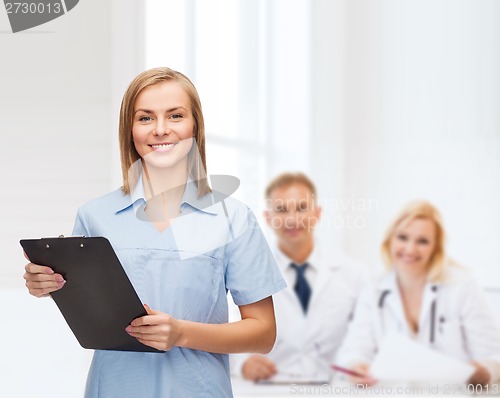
{"points": [[176, 116], [402, 237], [145, 119], [423, 241]]}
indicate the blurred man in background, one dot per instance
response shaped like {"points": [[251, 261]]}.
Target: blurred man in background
{"points": [[312, 313]]}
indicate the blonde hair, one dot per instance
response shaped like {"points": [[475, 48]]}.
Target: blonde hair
{"points": [[196, 163], [419, 209], [286, 179]]}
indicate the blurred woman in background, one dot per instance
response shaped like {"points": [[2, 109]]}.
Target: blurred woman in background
{"points": [[425, 297]]}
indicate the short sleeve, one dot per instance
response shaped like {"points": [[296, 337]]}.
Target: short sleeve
{"points": [[251, 273], [80, 227]]}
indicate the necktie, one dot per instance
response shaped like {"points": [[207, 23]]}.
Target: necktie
{"points": [[301, 287]]}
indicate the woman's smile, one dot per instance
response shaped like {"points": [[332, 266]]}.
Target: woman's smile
{"points": [[163, 147]]}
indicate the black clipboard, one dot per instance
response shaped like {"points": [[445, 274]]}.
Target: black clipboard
{"points": [[98, 301]]}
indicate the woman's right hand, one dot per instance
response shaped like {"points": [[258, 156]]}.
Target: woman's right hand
{"points": [[41, 280], [365, 378]]}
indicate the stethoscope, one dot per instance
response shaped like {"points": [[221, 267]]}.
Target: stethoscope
{"points": [[432, 331]]}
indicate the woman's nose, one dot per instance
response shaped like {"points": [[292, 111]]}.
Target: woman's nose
{"points": [[410, 247], [161, 128]]}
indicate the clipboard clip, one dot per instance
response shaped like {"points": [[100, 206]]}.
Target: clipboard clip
{"points": [[47, 246]]}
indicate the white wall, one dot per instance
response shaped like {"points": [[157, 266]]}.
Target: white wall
{"points": [[326, 130], [55, 126], [418, 118]]}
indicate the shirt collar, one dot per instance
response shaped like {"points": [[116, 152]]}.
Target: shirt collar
{"points": [[136, 195], [284, 261], [389, 282], [190, 198]]}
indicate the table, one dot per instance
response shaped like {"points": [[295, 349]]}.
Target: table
{"points": [[246, 389]]}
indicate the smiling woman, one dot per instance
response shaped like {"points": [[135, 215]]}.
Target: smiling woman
{"points": [[415, 242], [425, 297], [162, 131], [163, 120], [182, 251]]}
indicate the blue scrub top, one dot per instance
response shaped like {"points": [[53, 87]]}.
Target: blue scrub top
{"points": [[184, 271]]}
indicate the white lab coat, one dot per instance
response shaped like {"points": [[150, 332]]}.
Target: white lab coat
{"points": [[464, 326], [306, 344]]}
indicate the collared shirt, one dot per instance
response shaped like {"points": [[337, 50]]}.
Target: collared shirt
{"points": [[284, 262], [190, 201], [185, 271]]}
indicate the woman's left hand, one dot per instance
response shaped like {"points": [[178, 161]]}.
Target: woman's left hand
{"points": [[480, 376], [157, 329]]}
